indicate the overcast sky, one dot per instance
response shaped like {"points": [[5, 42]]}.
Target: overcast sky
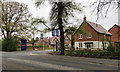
{"points": [[44, 11]]}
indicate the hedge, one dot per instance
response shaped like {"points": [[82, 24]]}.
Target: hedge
{"points": [[92, 53], [9, 44]]}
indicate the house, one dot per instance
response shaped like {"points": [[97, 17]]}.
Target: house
{"points": [[67, 40], [91, 36], [28, 43], [44, 41], [115, 31], [54, 39]]}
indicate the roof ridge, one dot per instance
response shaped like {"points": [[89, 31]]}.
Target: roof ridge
{"points": [[117, 25], [113, 26], [99, 28]]}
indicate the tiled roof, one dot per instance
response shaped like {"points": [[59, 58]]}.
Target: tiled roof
{"points": [[113, 26], [68, 37], [98, 28], [44, 39], [53, 38]]}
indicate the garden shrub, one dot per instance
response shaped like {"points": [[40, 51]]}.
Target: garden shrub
{"points": [[110, 48], [46, 45], [40, 44], [9, 44], [94, 53]]}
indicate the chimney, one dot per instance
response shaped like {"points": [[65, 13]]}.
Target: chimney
{"points": [[84, 18]]}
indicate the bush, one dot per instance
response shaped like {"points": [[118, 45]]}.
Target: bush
{"points": [[94, 53], [110, 48], [40, 44], [46, 45], [9, 45]]}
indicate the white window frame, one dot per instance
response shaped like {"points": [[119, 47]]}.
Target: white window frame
{"points": [[80, 36], [89, 45], [80, 45]]}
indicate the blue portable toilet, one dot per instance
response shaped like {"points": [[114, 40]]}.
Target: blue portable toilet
{"points": [[23, 45]]}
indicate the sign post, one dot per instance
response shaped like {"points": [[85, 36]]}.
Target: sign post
{"points": [[42, 40], [23, 45], [56, 46], [56, 34]]}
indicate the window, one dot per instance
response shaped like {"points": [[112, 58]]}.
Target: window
{"points": [[89, 35], [66, 41], [80, 45], [104, 36], [80, 36], [88, 44]]}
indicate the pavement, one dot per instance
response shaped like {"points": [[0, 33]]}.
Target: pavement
{"points": [[40, 60]]}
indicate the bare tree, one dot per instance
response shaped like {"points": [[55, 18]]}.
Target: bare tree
{"points": [[102, 7], [15, 19], [34, 27]]}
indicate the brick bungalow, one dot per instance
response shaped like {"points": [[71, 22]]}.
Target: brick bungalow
{"points": [[45, 41], [52, 41], [67, 40], [115, 31], [91, 36]]}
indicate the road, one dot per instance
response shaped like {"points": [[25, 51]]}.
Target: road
{"points": [[40, 60]]}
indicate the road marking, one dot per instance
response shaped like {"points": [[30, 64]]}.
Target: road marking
{"points": [[94, 62], [54, 66], [3, 52], [31, 54]]}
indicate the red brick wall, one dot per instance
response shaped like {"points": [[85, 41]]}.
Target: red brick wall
{"points": [[94, 35], [107, 37], [28, 44], [115, 31], [68, 41], [119, 33], [89, 29]]}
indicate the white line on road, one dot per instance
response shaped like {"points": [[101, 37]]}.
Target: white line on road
{"points": [[31, 54], [42, 64], [3, 52]]}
